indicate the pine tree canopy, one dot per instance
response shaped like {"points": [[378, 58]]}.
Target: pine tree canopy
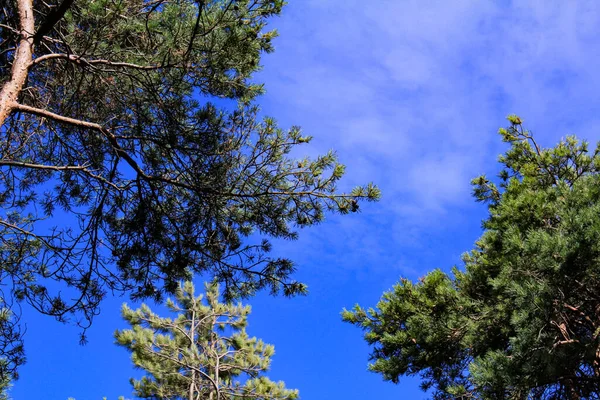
{"points": [[134, 156], [203, 353], [522, 319]]}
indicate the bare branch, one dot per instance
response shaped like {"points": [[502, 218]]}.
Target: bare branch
{"points": [[83, 61], [10, 163]]}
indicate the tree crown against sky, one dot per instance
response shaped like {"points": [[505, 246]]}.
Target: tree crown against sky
{"points": [[522, 320], [117, 173], [203, 353]]}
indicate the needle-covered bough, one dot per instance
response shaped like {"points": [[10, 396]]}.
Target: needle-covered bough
{"points": [[132, 155]]}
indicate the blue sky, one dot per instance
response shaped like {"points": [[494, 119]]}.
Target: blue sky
{"points": [[410, 94]]}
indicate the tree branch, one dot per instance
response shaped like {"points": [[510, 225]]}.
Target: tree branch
{"points": [[10, 163], [51, 19], [86, 124], [175, 182], [80, 60]]}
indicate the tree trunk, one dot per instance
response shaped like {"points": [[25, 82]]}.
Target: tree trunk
{"points": [[192, 344], [23, 56]]}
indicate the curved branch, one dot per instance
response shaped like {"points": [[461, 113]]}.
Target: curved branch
{"points": [[175, 182]]}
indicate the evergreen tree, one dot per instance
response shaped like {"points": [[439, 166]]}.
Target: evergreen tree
{"points": [[133, 155], [203, 353], [522, 320]]}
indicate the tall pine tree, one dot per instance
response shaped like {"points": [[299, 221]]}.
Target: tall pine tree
{"points": [[203, 353]]}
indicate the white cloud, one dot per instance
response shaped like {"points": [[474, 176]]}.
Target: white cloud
{"points": [[411, 93]]}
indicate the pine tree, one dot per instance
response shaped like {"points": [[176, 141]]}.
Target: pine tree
{"points": [[203, 353], [134, 155], [522, 320]]}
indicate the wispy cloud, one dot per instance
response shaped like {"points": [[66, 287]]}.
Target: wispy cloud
{"points": [[411, 94]]}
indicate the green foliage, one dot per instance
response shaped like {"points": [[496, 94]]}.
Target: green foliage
{"points": [[5, 386], [203, 353], [11, 348], [522, 320], [136, 156]]}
